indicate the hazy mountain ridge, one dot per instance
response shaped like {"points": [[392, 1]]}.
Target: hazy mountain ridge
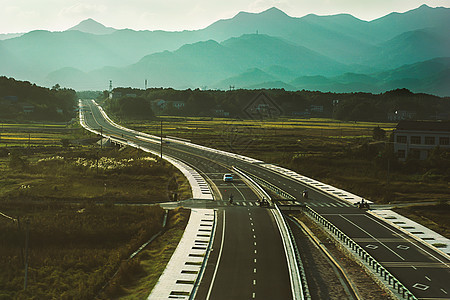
{"points": [[92, 26], [286, 48]]}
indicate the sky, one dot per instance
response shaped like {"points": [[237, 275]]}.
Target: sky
{"points": [[57, 15]]}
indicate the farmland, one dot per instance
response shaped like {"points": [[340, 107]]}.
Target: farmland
{"points": [[74, 196]]}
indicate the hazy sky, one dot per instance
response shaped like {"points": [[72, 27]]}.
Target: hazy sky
{"points": [[56, 15]]}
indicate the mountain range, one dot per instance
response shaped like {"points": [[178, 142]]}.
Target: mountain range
{"points": [[251, 50]]}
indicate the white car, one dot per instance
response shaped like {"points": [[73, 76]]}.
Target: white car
{"points": [[228, 177]]}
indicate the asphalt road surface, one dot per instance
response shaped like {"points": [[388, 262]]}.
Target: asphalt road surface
{"points": [[248, 259], [424, 271]]}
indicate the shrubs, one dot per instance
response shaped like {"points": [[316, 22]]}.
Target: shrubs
{"points": [[74, 254]]}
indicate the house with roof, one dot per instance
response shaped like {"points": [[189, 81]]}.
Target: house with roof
{"points": [[417, 138]]}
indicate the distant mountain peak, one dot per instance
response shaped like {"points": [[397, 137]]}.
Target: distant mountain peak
{"points": [[92, 26], [274, 11]]}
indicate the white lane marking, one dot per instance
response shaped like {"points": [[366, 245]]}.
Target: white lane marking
{"points": [[250, 203], [354, 224], [414, 267], [253, 229], [254, 260], [421, 286], [251, 223], [254, 270], [243, 197], [254, 281], [428, 278], [218, 259], [254, 236], [253, 295], [251, 219], [409, 241], [254, 244], [255, 251], [444, 291]]}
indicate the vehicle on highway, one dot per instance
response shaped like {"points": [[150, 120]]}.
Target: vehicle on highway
{"points": [[363, 204], [263, 202], [305, 194], [228, 177]]}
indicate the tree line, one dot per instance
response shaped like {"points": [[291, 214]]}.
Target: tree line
{"points": [[341, 106], [22, 100]]}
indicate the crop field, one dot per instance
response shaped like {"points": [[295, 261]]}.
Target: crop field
{"points": [[20, 135], [81, 230]]}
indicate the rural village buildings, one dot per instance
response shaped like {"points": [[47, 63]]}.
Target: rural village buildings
{"points": [[417, 138]]}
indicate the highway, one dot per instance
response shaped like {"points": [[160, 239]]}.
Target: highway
{"points": [[251, 262], [248, 260]]}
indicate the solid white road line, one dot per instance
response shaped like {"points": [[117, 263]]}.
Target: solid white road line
{"points": [[218, 259], [415, 243], [354, 224]]}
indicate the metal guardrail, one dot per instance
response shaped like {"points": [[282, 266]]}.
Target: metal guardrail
{"points": [[362, 253], [299, 283], [306, 293], [272, 187], [262, 193], [342, 237]]}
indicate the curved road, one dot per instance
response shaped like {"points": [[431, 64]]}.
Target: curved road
{"points": [[424, 271], [248, 259]]}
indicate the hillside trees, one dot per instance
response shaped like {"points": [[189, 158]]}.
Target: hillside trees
{"points": [[47, 104], [132, 108]]}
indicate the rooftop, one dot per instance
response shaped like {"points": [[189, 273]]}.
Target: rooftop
{"points": [[424, 125]]}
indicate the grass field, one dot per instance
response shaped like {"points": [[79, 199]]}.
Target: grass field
{"points": [[79, 235]]}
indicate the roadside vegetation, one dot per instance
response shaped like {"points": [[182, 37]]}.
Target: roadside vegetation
{"points": [[74, 195]]}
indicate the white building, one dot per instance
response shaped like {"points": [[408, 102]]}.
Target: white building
{"points": [[417, 138]]}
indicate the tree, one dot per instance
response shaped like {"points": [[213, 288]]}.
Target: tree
{"points": [[378, 134]]}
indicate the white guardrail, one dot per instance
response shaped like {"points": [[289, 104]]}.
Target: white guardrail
{"points": [[199, 186]]}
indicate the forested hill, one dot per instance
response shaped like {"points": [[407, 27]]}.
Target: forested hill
{"points": [[23, 101]]}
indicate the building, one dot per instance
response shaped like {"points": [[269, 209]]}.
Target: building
{"points": [[400, 115], [178, 104], [316, 108], [27, 108], [417, 138]]}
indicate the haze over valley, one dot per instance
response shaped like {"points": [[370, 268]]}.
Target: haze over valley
{"points": [[337, 53]]}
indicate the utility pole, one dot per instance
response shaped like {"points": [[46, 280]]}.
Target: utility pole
{"points": [[27, 232], [101, 137], [161, 139]]}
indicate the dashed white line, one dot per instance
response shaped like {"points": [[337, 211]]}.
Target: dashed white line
{"points": [[254, 244], [428, 278], [254, 295], [414, 267], [251, 223], [255, 251], [444, 291], [254, 260], [254, 281], [254, 270], [253, 229], [254, 236]]}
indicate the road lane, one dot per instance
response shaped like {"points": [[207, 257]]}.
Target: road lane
{"points": [[252, 262], [427, 273]]}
